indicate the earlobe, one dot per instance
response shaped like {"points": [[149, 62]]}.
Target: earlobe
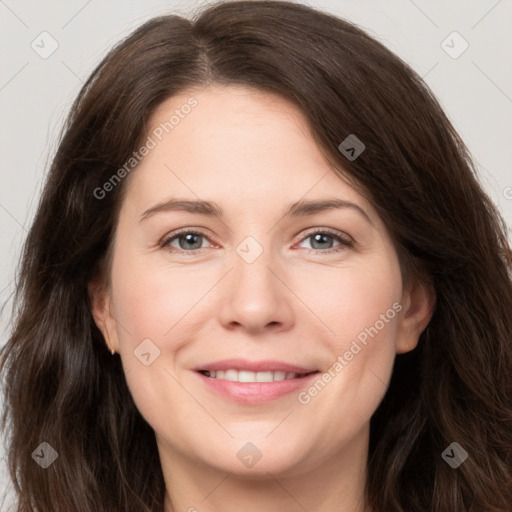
{"points": [[419, 302]]}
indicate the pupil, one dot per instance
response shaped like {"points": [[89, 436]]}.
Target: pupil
{"points": [[190, 240], [319, 237]]}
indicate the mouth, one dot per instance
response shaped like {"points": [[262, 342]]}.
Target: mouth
{"points": [[234, 375], [253, 382]]}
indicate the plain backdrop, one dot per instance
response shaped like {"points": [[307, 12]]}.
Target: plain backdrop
{"points": [[474, 87]]}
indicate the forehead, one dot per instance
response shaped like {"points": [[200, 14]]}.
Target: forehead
{"points": [[236, 143]]}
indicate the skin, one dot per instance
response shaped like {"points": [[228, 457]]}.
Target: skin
{"points": [[252, 154]]}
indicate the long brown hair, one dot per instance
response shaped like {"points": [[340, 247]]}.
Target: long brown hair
{"points": [[63, 387]]}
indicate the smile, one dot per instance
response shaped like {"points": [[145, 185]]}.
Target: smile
{"points": [[253, 382], [233, 375]]}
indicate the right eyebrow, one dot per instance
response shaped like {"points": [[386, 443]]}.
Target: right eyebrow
{"points": [[200, 207]]}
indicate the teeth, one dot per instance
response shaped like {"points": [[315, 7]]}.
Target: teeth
{"points": [[242, 376], [231, 375], [247, 376], [279, 375]]}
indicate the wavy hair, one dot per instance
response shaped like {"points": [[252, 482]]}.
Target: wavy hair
{"points": [[62, 386]]}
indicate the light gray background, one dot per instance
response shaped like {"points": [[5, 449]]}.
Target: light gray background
{"points": [[475, 89]]}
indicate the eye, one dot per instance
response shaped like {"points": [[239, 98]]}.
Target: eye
{"points": [[188, 241], [322, 239]]}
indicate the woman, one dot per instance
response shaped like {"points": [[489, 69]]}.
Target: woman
{"points": [[256, 369]]}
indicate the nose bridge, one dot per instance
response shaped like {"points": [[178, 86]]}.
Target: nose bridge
{"points": [[251, 275], [255, 297]]}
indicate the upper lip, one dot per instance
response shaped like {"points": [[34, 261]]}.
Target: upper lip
{"points": [[253, 366]]}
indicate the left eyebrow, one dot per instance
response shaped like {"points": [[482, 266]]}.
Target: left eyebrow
{"points": [[312, 207], [298, 209]]}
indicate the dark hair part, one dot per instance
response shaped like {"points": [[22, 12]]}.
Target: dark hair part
{"points": [[61, 384]]}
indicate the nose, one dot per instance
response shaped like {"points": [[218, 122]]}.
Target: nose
{"points": [[255, 297]]}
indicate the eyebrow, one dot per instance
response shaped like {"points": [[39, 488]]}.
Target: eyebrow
{"points": [[300, 208]]}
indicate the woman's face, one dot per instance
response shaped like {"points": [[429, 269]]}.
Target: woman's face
{"points": [[249, 291]]}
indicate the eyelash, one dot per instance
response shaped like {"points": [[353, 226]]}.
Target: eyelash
{"points": [[344, 240]]}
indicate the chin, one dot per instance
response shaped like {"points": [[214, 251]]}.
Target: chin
{"points": [[257, 458]]}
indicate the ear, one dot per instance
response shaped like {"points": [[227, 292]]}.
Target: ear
{"points": [[102, 312], [418, 301]]}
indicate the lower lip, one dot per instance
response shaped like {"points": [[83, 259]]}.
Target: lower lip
{"points": [[256, 392]]}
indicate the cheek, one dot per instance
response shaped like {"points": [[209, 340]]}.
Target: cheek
{"points": [[357, 368], [152, 304], [152, 300], [356, 297], [360, 306]]}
